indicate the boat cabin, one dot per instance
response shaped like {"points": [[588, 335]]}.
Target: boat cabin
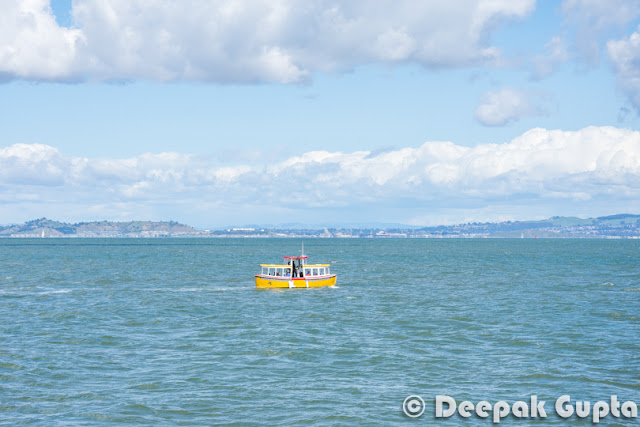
{"points": [[295, 267]]}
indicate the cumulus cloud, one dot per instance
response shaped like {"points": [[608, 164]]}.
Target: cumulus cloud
{"points": [[244, 40], [625, 55], [506, 105], [35, 164], [33, 46], [540, 166]]}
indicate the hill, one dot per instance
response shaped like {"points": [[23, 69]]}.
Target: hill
{"points": [[625, 226], [48, 228], [622, 225]]}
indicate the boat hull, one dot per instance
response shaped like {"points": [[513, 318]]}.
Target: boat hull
{"points": [[271, 282]]}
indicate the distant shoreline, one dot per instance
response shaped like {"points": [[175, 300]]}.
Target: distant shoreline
{"points": [[622, 226], [452, 237]]}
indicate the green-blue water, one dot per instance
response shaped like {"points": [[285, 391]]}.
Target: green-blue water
{"points": [[170, 331]]}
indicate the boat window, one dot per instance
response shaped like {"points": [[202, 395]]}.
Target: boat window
{"points": [[327, 270], [278, 271], [272, 271], [287, 272], [307, 272], [315, 271]]}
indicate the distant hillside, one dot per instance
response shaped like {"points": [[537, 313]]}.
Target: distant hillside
{"points": [[622, 225], [49, 228]]}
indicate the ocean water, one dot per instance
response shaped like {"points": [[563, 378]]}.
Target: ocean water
{"points": [[174, 332]]}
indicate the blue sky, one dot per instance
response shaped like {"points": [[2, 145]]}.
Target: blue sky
{"points": [[255, 112]]}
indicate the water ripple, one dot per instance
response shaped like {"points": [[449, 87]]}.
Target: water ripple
{"points": [[170, 332]]}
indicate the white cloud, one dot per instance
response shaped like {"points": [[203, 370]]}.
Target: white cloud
{"points": [[587, 23], [595, 166], [32, 164], [33, 46], [594, 18], [498, 108], [244, 40], [625, 55]]}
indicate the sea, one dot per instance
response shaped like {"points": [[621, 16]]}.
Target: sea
{"points": [[174, 332]]}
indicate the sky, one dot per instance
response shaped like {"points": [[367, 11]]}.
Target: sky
{"points": [[267, 112]]}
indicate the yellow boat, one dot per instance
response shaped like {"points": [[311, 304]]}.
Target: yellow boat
{"points": [[294, 272]]}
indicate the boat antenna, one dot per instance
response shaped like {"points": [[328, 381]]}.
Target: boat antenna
{"points": [[302, 251]]}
